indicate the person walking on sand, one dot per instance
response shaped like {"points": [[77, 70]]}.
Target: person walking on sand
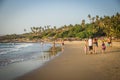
{"points": [[109, 42], [90, 45], [86, 47], [103, 47], [62, 44], [95, 45]]}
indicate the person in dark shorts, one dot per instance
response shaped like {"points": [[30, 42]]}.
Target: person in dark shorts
{"points": [[90, 45], [90, 48]]}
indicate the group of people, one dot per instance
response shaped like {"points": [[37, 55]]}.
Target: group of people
{"points": [[91, 45]]}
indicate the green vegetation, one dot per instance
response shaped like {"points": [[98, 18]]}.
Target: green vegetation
{"points": [[108, 26], [98, 26]]}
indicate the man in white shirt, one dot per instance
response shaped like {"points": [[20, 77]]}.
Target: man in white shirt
{"points": [[90, 45]]}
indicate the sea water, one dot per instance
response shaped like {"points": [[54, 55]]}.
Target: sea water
{"points": [[17, 59]]}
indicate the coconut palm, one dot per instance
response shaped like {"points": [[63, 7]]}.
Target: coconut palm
{"points": [[25, 30], [55, 29], [89, 16], [83, 23]]}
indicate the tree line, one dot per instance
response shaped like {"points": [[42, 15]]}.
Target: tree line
{"points": [[108, 26]]}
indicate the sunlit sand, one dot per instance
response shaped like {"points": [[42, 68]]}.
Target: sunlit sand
{"points": [[73, 64]]}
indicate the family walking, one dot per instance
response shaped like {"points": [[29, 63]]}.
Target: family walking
{"points": [[91, 45]]}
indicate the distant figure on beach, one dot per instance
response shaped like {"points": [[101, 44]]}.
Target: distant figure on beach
{"points": [[62, 44], [42, 43], [53, 48], [90, 45], [103, 47], [86, 46], [109, 42], [95, 44]]}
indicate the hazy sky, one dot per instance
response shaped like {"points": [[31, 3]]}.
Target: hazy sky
{"points": [[17, 15]]}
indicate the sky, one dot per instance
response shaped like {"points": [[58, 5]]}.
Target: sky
{"points": [[17, 15]]}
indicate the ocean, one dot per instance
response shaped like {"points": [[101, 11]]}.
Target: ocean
{"points": [[17, 59]]}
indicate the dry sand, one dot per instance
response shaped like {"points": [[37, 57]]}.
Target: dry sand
{"points": [[73, 64]]}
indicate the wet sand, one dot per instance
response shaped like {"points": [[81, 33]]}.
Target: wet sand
{"points": [[74, 64]]}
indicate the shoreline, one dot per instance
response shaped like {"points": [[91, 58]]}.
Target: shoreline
{"points": [[22, 66], [73, 64]]}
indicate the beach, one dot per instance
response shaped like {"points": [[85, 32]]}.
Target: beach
{"points": [[74, 64]]}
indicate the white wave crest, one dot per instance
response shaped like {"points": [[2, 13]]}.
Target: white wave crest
{"points": [[16, 47], [23, 45]]}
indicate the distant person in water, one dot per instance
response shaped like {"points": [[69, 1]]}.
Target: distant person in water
{"points": [[53, 46], [42, 43], [90, 45], [103, 47], [95, 45], [86, 47]]}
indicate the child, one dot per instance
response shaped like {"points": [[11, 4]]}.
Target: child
{"points": [[103, 47]]}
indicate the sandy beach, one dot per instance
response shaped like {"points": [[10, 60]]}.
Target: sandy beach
{"points": [[74, 64]]}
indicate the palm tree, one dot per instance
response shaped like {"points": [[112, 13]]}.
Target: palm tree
{"points": [[48, 26], [39, 30], [55, 28], [35, 30], [32, 29], [43, 29], [97, 17], [89, 16], [83, 23], [93, 18], [25, 30]]}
